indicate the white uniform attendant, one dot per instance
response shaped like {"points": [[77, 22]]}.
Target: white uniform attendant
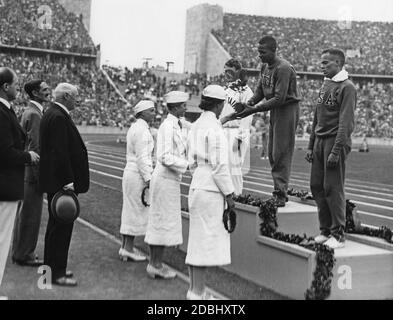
{"points": [[137, 172], [164, 223], [237, 130], [209, 242]]}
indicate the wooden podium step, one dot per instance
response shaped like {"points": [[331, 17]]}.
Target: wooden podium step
{"points": [[364, 267]]}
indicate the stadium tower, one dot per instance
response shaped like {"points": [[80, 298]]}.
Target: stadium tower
{"points": [[200, 44], [79, 7]]}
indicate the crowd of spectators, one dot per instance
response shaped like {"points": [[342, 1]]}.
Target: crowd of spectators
{"points": [[140, 83], [43, 24], [374, 112], [301, 41], [101, 105]]}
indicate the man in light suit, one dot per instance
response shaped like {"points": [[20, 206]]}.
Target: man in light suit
{"points": [[12, 162], [64, 165], [28, 220]]}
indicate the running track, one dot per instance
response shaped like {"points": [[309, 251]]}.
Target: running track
{"points": [[374, 200]]}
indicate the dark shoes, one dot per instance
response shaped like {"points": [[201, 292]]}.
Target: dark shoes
{"points": [[65, 282], [280, 199], [29, 263], [280, 202]]}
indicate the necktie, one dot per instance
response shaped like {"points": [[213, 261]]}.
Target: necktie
{"points": [[179, 122]]}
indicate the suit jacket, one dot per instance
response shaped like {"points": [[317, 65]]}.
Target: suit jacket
{"points": [[12, 156], [30, 122], [63, 153]]}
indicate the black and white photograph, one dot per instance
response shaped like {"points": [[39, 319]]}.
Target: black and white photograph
{"points": [[219, 151]]}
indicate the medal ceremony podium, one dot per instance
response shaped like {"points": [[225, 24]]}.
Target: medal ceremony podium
{"points": [[363, 269]]}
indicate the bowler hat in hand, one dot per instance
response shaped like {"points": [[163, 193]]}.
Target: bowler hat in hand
{"points": [[65, 206]]}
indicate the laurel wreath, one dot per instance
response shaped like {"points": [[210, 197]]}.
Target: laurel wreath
{"points": [[322, 278], [143, 197], [353, 225], [237, 86], [229, 220]]}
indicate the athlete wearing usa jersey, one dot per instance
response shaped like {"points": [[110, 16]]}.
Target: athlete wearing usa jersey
{"points": [[237, 131], [329, 146]]}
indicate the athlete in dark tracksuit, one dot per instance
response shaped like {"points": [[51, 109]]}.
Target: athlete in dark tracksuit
{"points": [[331, 136], [277, 85]]}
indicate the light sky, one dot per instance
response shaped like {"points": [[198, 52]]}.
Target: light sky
{"points": [[130, 30]]}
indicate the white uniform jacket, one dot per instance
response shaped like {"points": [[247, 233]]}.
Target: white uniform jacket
{"points": [[140, 145], [164, 227], [208, 155], [171, 150], [138, 170]]}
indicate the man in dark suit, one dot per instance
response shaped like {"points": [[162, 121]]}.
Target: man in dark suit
{"points": [[12, 162], [64, 165], [28, 219]]}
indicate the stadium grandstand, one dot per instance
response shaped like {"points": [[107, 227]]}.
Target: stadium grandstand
{"points": [[366, 44], [59, 50], [54, 27]]}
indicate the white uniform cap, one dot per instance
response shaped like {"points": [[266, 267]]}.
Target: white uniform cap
{"points": [[176, 97], [214, 91], [143, 105]]}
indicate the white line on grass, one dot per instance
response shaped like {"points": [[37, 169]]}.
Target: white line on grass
{"points": [[107, 160], [306, 184], [365, 184], [375, 215]]}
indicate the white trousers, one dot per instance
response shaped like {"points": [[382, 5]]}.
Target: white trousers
{"points": [[8, 212]]}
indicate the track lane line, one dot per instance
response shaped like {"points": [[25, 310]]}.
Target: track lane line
{"points": [[268, 186]]}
